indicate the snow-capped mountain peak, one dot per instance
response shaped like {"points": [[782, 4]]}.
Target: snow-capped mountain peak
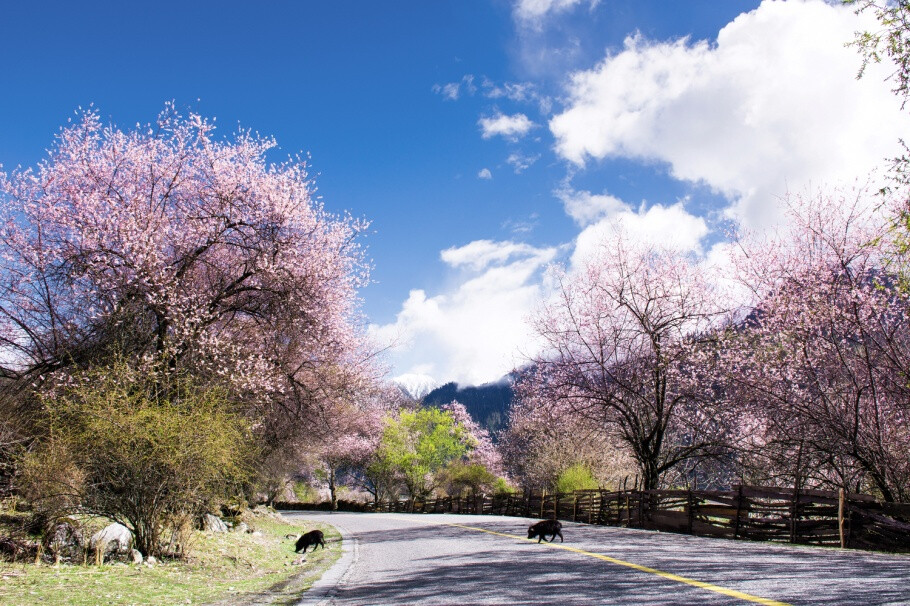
{"points": [[416, 386]]}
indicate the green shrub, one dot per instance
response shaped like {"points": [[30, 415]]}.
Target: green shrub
{"points": [[502, 487], [305, 493], [575, 477], [419, 444], [460, 477], [132, 448]]}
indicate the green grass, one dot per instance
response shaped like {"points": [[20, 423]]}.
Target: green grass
{"points": [[235, 569]]}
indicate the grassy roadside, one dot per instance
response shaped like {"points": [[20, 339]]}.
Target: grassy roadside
{"points": [[226, 568]]}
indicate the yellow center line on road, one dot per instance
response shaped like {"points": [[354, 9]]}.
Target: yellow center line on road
{"points": [[667, 575]]}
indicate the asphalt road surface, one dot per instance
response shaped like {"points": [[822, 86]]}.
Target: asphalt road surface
{"points": [[461, 559]]}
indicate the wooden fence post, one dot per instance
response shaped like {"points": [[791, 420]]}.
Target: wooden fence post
{"points": [[689, 513], [575, 509], [794, 508], [542, 500], [841, 497], [739, 508]]}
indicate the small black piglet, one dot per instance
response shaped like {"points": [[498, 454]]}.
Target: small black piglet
{"points": [[544, 528], [313, 537]]}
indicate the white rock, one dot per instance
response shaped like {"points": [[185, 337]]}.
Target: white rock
{"points": [[116, 538], [214, 524], [137, 557]]}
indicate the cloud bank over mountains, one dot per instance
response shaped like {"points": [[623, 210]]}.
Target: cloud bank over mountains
{"points": [[771, 106]]}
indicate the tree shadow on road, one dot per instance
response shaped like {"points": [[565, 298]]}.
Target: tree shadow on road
{"points": [[506, 573], [521, 572]]}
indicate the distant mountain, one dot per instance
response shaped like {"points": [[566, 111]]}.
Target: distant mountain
{"points": [[487, 404], [416, 386]]}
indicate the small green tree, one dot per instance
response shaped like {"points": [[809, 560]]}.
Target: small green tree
{"points": [[419, 444], [139, 451], [380, 478]]}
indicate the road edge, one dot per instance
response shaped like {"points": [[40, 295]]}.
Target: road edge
{"points": [[328, 585]]}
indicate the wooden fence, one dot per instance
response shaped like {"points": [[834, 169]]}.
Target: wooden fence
{"points": [[813, 517]]}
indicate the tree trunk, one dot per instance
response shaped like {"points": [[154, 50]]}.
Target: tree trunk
{"points": [[145, 539], [650, 477], [334, 497]]}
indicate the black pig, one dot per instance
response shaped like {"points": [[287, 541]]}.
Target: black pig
{"points": [[544, 528], [313, 537]]}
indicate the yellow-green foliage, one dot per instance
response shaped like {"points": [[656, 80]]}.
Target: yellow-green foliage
{"points": [[469, 477], [502, 487], [139, 450], [305, 493], [575, 477], [419, 444]]}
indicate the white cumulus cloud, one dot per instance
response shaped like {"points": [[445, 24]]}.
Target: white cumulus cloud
{"points": [[587, 208], [664, 226], [480, 254], [510, 127], [484, 173], [474, 332], [774, 104]]}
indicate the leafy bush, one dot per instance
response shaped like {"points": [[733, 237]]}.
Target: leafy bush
{"points": [[575, 477], [305, 493], [146, 452], [502, 487], [460, 477]]}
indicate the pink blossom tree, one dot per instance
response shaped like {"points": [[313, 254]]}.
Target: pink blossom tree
{"points": [[482, 452], [542, 442], [819, 367], [184, 251], [618, 335], [346, 434]]}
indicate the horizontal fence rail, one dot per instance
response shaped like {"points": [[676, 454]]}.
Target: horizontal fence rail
{"points": [[813, 517]]}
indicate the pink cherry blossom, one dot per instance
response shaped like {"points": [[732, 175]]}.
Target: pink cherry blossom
{"points": [[183, 251], [618, 336]]}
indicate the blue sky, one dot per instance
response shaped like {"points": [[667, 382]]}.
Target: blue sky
{"points": [[484, 139]]}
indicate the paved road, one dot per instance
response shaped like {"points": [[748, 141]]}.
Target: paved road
{"points": [[460, 559]]}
